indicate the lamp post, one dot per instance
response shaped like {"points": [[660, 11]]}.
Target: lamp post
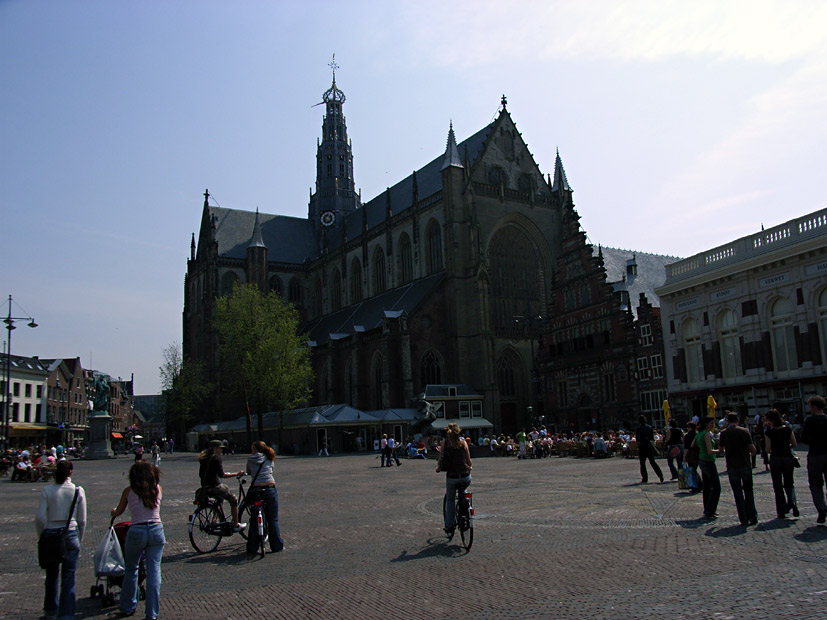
{"points": [[9, 321], [531, 320]]}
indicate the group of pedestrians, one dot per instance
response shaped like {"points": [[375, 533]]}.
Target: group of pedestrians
{"points": [[387, 451]]}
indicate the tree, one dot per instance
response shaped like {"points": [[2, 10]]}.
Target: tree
{"points": [[184, 387], [263, 357]]}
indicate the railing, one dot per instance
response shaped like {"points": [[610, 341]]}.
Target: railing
{"points": [[786, 234]]}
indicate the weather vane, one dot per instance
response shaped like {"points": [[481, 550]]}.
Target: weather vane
{"points": [[332, 64]]}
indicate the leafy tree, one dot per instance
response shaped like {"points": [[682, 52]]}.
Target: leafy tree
{"points": [[263, 358], [184, 387]]}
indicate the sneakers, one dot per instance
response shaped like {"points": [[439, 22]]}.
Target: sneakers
{"points": [[239, 527], [822, 517], [796, 513]]}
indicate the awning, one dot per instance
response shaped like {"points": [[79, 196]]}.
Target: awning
{"points": [[117, 436], [463, 423], [23, 429]]}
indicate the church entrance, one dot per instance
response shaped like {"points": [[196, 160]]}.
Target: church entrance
{"points": [[508, 418]]}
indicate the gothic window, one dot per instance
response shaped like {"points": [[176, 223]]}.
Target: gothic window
{"points": [[378, 271], [296, 292], [227, 281], [430, 369], [405, 259], [434, 236], [515, 280], [822, 325], [349, 395], [317, 297], [275, 286], [355, 281], [505, 378], [782, 334], [730, 344], [378, 379], [336, 291], [692, 351]]}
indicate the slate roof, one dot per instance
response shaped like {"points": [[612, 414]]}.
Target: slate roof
{"points": [[651, 273], [323, 415], [288, 239], [368, 314], [441, 391]]}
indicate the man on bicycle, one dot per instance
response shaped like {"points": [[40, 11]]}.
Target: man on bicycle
{"points": [[455, 461], [211, 471]]}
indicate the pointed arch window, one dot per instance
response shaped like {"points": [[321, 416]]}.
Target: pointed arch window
{"points": [[275, 285], [378, 271], [730, 345], [822, 325], [505, 378], [692, 351], [516, 280], [782, 334], [430, 369], [227, 282], [336, 291], [355, 281], [405, 259], [296, 292], [434, 238]]}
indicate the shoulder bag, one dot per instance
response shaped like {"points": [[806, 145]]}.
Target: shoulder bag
{"points": [[51, 548]]}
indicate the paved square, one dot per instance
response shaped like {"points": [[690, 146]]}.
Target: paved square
{"points": [[554, 538]]}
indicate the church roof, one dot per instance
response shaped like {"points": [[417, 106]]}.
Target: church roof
{"points": [[368, 314], [288, 239], [651, 273]]}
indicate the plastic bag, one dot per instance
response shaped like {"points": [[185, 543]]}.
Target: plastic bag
{"points": [[109, 556]]}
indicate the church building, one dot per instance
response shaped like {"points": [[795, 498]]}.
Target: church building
{"points": [[446, 277]]}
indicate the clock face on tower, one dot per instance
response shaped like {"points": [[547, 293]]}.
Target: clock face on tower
{"points": [[327, 218]]}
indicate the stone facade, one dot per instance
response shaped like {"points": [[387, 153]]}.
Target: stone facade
{"points": [[747, 321]]}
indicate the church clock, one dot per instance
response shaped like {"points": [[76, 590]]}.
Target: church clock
{"points": [[328, 218]]}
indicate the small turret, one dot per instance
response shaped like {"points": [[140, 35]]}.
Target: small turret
{"points": [[451, 158]]}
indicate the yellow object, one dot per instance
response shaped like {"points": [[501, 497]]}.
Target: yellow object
{"points": [[667, 411], [711, 405]]}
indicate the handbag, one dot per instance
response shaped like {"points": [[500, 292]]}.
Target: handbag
{"points": [[52, 546], [796, 460]]}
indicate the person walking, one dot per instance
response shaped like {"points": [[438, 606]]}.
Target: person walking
{"points": [[61, 503], [263, 486], [392, 452], [156, 454], [814, 434], [780, 442], [674, 448], [383, 451], [455, 461], [144, 537], [690, 452], [707, 450], [736, 442], [646, 450]]}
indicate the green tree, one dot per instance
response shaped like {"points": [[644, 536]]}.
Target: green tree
{"points": [[184, 387], [263, 357]]}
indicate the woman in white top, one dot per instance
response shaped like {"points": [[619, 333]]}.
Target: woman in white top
{"points": [[52, 513], [145, 535]]}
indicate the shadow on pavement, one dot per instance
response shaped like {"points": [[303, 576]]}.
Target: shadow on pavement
{"points": [[775, 524], [812, 534], [727, 532], [436, 548]]}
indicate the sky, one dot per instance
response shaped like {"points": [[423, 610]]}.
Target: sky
{"points": [[681, 126]]}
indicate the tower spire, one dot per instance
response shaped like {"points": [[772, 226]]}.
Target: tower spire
{"points": [[560, 180], [257, 241], [451, 151]]}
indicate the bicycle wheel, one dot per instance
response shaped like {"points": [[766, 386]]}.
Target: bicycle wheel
{"points": [[467, 536], [205, 519], [246, 515], [444, 514]]}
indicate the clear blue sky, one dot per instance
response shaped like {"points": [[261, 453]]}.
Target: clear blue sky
{"points": [[681, 125]]}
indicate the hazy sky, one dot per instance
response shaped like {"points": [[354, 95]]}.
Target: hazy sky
{"points": [[682, 125]]}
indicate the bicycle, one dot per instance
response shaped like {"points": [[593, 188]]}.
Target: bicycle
{"points": [[465, 517], [208, 524]]}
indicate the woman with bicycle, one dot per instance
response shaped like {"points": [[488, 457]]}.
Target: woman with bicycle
{"points": [[144, 536], [211, 471], [455, 461], [263, 487]]}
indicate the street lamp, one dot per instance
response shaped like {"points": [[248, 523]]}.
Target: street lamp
{"points": [[9, 321]]}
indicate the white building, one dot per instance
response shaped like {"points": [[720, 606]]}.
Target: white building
{"points": [[27, 413], [747, 321]]}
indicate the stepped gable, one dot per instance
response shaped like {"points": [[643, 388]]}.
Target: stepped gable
{"points": [[651, 272], [288, 239]]}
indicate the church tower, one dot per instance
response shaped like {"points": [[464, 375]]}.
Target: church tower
{"points": [[335, 194]]}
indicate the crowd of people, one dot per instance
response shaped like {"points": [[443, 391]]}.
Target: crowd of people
{"points": [[35, 462]]}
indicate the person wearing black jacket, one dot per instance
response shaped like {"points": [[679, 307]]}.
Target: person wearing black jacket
{"points": [[645, 450]]}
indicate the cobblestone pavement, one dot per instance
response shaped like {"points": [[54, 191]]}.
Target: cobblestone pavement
{"points": [[554, 538]]}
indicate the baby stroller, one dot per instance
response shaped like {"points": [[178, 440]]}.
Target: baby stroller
{"points": [[113, 575]]}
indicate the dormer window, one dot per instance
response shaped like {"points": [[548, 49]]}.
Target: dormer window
{"points": [[631, 267]]}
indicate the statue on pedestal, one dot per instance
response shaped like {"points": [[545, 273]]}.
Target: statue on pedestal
{"points": [[100, 422]]}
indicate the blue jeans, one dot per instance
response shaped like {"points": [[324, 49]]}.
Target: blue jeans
{"points": [[64, 573], [146, 539], [452, 485], [740, 479], [271, 516], [712, 487]]}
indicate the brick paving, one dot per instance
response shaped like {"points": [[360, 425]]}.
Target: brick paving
{"points": [[555, 538]]}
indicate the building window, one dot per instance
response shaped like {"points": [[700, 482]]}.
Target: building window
{"points": [[476, 409], [275, 286], [227, 281], [822, 325], [782, 334], [652, 402], [336, 291], [585, 294], [430, 369], [27, 390], [405, 259], [562, 394], [464, 409], [505, 378], [434, 236], [439, 409], [378, 271], [692, 351], [657, 366], [643, 367], [27, 412], [609, 393], [515, 279], [355, 281], [296, 292], [16, 388], [646, 334], [730, 345]]}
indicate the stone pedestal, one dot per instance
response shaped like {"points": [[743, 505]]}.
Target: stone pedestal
{"points": [[100, 427]]}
